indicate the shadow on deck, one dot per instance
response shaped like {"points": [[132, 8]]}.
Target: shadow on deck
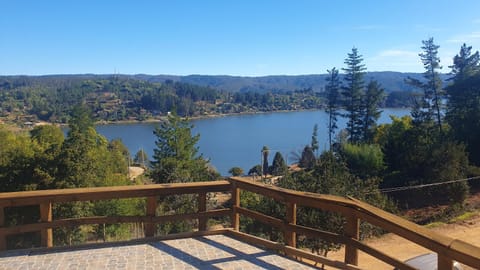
{"points": [[218, 251]]}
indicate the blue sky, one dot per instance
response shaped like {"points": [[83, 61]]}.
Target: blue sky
{"points": [[247, 38]]}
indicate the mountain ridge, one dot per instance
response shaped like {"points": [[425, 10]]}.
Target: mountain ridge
{"points": [[391, 81]]}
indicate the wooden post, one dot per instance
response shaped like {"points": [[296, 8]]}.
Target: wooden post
{"points": [[46, 235], [291, 218], [3, 237], [202, 207], [235, 203], [151, 212], [444, 263], [352, 230]]}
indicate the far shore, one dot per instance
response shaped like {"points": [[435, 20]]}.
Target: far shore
{"points": [[164, 118]]}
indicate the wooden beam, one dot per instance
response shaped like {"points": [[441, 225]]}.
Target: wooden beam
{"points": [[202, 207], [110, 220], [151, 212], [352, 231], [444, 263], [291, 218], [274, 222], [290, 250], [8, 199], [316, 233], [46, 235], [235, 219]]}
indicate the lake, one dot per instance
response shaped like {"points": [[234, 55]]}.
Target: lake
{"points": [[237, 140]]}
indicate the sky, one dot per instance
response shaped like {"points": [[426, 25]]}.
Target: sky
{"points": [[223, 37]]}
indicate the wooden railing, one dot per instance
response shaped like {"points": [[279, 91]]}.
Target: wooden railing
{"points": [[354, 211], [45, 199]]}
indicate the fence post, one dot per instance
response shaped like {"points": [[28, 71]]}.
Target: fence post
{"points": [[46, 235], [202, 207], [352, 230], [3, 237], [235, 204], [444, 263], [291, 218], [151, 211]]}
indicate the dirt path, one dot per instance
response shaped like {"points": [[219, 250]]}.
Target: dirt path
{"points": [[402, 249]]}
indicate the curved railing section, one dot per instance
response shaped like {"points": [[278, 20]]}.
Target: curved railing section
{"points": [[354, 211]]}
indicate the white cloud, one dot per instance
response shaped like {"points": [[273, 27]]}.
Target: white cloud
{"points": [[395, 60], [465, 38]]}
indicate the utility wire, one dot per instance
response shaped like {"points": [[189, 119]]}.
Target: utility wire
{"points": [[402, 188]]}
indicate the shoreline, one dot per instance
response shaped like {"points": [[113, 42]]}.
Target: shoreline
{"points": [[164, 118], [199, 117]]}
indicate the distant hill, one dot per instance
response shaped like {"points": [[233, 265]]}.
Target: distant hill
{"points": [[391, 81]]}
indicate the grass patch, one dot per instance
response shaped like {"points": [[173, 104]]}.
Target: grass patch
{"points": [[434, 225], [462, 217]]}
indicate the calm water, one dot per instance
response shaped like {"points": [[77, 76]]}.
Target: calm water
{"points": [[237, 140]]}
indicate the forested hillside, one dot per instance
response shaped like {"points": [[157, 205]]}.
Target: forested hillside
{"points": [[391, 81], [140, 97]]}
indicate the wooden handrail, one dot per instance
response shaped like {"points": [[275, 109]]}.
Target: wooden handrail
{"points": [[45, 199], [354, 211], [21, 198], [447, 248]]}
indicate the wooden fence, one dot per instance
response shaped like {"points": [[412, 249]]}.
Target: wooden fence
{"points": [[352, 210]]}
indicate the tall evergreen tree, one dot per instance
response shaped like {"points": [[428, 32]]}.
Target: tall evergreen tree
{"points": [[353, 91], [307, 160], [332, 90], [265, 167], [176, 157], [279, 167], [463, 107], [314, 143], [428, 107], [373, 97], [465, 64]]}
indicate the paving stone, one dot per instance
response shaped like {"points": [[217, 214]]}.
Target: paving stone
{"points": [[208, 252]]}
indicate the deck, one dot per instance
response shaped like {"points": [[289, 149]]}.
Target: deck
{"points": [[205, 252], [203, 248]]}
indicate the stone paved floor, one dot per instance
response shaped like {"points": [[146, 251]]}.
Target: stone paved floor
{"points": [[207, 252]]}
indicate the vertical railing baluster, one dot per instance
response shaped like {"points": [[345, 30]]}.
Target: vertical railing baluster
{"points": [[151, 212], [235, 203], [352, 230], [291, 218], [202, 207], [46, 235], [444, 263]]}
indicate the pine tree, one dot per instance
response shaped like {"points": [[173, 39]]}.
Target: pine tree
{"points": [[373, 98], [463, 107], [332, 91], [465, 64], [307, 160], [428, 107], [176, 157], [314, 143], [279, 167], [353, 91], [265, 167]]}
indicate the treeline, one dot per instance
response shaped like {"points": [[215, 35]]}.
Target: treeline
{"points": [[120, 98], [44, 158], [112, 99], [415, 161]]}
